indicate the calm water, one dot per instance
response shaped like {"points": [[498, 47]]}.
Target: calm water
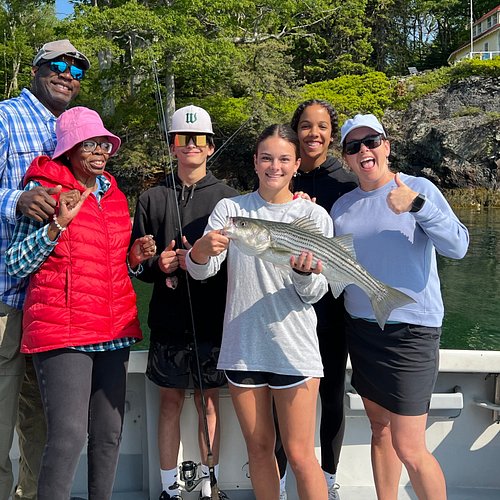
{"points": [[471, 288]]}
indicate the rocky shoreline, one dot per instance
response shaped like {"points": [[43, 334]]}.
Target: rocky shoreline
{"points": [[452, 137]]}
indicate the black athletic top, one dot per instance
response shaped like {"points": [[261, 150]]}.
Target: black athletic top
{"points": [[327, 183]]}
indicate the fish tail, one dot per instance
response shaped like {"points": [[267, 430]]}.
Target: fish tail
{"points": [[386, 300]]}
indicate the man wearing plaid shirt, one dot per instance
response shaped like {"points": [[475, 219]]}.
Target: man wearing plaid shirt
{"points": [[27, 130]]}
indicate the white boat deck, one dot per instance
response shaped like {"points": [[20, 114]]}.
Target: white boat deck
{"points": [[463, 436], [347, 493]]}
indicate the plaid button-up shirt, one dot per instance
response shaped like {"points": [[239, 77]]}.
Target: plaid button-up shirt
{"points": [[27, 130]]}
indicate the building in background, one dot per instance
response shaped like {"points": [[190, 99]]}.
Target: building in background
{"points": [[485, 39]]}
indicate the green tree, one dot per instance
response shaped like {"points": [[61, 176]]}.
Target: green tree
{"points": [[25, 27], [337, 45]]}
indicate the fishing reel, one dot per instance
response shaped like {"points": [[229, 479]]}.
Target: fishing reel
{"points": [[188, 474]]}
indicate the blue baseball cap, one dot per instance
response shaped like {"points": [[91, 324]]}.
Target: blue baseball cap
{"points": [[370, 121]]}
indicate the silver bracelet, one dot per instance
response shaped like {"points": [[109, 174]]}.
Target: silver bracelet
{"points": [[137, 271], [56, 222]]}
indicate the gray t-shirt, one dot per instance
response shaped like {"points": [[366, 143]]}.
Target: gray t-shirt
{"points": [[269, 323]]}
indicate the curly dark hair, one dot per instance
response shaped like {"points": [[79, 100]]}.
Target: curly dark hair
{"points": [[334, 119]]}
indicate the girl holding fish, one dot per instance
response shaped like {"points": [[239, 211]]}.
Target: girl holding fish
{"points": [[269, 346], [399, 222]]}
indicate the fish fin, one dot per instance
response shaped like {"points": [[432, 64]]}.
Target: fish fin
{"points": [[307, 224], [337, 287], [346, 242], [386, 301]]}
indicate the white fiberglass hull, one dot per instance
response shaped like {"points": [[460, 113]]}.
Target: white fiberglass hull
{"points": [[461, 433]]}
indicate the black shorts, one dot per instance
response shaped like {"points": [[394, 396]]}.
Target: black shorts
{"points": [[175, 367], [264, 379], [396, 368]]}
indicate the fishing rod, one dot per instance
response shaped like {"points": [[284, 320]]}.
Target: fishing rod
{"points": [[188, 468], [229, 140]]}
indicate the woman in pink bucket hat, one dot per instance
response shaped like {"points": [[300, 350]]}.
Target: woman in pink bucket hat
{"points": [[80, 315]]}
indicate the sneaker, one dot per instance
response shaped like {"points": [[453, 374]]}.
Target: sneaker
{"points": [[165, 496], [283, 495], [333, 492]]}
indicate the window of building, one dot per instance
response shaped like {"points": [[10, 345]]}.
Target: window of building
{"points": [[489, 22]]}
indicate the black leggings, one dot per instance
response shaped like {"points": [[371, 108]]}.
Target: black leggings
{"points": [[83, 394], [333, 348]]}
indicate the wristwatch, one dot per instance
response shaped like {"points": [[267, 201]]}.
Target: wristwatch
{"points": [[418, 203]]}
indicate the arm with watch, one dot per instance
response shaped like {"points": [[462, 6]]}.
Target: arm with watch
{"points": [[425, 202], [417, 203]]}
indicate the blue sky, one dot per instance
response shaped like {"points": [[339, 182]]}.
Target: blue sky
{"points": [[63, 8]]}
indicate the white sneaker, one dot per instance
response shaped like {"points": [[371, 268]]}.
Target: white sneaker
{"points": [[283, 495], [333, 492]]}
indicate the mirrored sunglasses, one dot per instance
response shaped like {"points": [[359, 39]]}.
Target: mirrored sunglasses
{"points": [[91, 146], [183, 139], [371, 142], [61, 66]]}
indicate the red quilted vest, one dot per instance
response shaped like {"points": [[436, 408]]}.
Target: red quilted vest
{"points": [[82, 293]]}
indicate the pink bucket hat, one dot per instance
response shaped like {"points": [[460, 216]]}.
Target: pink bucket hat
{"points": [[77, 125]]}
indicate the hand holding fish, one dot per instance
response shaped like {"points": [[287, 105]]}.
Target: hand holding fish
{"points": [[399, 200], [142, 249], [304, 263], [169, 262], [210, 245]]}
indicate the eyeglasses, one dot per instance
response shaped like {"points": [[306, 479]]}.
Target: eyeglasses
{"points": [[184, 139], [371, 142], [91, 146], [61, 66]]}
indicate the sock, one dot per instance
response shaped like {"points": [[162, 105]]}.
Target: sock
{"points": [[206, 489], [169, 481], [330, 479], [283, 482]]}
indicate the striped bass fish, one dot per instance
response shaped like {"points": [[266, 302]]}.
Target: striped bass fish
{"points": [[276, 242]]}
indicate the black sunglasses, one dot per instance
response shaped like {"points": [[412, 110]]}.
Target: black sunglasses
{"points": [[371, 142], [61, 66]]}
